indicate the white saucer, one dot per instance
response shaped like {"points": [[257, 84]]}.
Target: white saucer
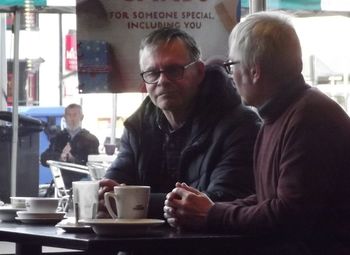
{"points": [[8, 213], [123, 227], [69, 225], [31, 216], [46, 221], [7, 208]]}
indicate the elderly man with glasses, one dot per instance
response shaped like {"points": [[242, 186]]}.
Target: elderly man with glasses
{"points": [[191, 128], [301, 155]]}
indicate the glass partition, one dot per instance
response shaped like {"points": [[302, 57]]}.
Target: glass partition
{"points": [[48, 55]]}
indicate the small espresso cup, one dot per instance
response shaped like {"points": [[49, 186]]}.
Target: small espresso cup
{"points": [[131, 201], [18, 202]]}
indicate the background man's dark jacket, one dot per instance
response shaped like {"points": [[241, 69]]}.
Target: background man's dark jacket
{"points": [[82, 144]]}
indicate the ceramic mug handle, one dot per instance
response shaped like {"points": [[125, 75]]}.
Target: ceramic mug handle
{"points": [[107, 197]]}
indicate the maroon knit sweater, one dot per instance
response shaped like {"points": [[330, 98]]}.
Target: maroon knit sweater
{"points": [[302, 173]]}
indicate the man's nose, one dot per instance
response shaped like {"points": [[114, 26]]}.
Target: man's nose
{"points": [[163, 79]]}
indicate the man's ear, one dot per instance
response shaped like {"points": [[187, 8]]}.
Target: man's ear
{"points": [[201, 68], [82, 117], [255, 73]]}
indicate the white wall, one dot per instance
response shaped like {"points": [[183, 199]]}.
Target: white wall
{"points": [[49, 51]]}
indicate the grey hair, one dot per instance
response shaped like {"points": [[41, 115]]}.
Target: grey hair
{"points": [[166, 35], [270, 40], [72, 106]]}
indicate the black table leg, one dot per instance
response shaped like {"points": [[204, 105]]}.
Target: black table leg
{"points": [[28, 249]]}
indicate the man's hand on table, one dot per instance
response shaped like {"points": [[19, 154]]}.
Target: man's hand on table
{"points": [[106, 185], [186, 207]]}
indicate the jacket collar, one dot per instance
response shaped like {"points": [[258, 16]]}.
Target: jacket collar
{"points": [[273, 108]]}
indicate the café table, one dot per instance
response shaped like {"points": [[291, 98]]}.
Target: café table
{"points": [[30, 239]]}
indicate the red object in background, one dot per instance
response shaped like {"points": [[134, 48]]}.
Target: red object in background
{"points": [[9, 97], [71, 51], [9, 20]]}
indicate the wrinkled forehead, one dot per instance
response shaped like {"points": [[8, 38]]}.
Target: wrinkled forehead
{"points": [[163, 44], [166, 50]]}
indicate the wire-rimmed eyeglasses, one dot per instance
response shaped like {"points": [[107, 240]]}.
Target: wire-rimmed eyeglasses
{"points": [[228, 65], [173, 72]]}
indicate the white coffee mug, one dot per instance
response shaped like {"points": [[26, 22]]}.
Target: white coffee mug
{"points": [[131, 201]]}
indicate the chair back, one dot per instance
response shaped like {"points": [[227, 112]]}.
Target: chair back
{"points": [[98, 165], [61, 190]]}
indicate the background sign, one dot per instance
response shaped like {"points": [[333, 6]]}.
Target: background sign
{"points": [[109, 33]]}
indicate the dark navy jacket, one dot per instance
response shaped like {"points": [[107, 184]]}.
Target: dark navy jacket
{"points": [[218, 157]]}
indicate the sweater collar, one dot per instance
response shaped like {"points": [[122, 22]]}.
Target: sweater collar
{"points": [[273, 108], [74, 132]]}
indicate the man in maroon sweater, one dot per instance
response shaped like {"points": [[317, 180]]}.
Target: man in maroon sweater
{"points": [[301, 156]]}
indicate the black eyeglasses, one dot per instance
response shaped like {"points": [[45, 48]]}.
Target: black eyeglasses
{"points": [[228, 65], [174, 72]]}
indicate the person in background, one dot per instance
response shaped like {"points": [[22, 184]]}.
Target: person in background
{"points": [[73, 144], [301, 161], [191, 127]]}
